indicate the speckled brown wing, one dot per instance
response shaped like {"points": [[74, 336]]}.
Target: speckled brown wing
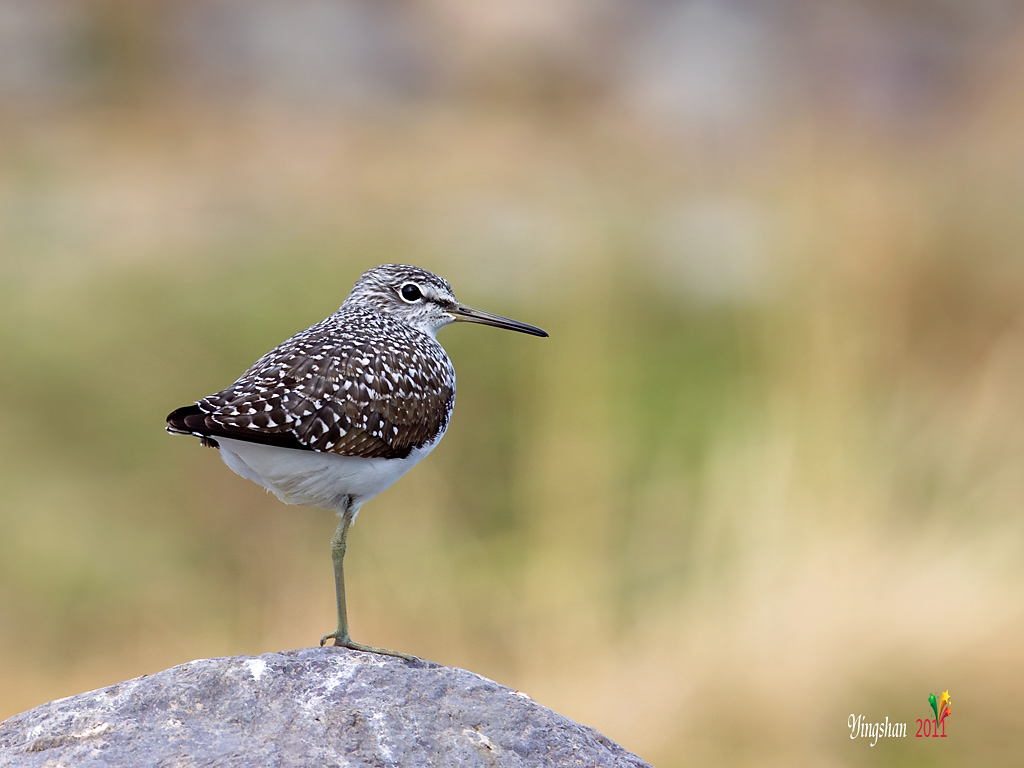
{"points": [[354, 385]]}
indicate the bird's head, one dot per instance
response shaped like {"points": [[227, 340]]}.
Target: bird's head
{"points": [[422, 300]]}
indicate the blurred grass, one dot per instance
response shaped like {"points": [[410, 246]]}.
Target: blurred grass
{"points": [[709, 526]]}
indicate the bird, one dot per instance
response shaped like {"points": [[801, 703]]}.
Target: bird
{"points": [[337, 413]]}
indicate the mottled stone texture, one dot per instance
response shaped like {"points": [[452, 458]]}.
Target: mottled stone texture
{"points": [[316, 707]]}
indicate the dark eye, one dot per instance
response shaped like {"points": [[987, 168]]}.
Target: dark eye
{"points": [[411, 292]]}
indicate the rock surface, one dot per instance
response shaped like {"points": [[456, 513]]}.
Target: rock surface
{"points": [[313, 707]]}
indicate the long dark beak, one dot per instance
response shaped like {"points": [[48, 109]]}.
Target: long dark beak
{"points": [[471, 315]]}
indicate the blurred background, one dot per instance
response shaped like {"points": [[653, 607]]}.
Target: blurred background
{"points": [[768, 470]]}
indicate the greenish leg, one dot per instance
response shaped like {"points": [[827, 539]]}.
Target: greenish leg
{"points": [[340, 635]]}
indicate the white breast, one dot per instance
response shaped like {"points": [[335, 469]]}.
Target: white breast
{"points": [[316, 479]]}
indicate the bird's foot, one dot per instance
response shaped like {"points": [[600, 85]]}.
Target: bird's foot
{"points": [[345, 641]]}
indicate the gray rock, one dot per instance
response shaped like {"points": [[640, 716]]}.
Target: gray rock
{"points": [[315, 707]]}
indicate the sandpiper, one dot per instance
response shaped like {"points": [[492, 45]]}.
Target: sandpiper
{"points": [[340, 411]]}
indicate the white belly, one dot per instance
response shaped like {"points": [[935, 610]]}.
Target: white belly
{"points": [[315, 479]]}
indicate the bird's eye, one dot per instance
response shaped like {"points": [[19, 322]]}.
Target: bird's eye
{"points": [[411, 292]]}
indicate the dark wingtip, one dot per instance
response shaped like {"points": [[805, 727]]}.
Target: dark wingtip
{"points": [[178, 423], [191, 420], [177, 420]]}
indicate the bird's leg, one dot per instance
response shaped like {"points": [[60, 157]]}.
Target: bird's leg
{"points": [[340, 635], [338, 542]]}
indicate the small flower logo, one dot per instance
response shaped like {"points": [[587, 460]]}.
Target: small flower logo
{"points": [[940, 706]]}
